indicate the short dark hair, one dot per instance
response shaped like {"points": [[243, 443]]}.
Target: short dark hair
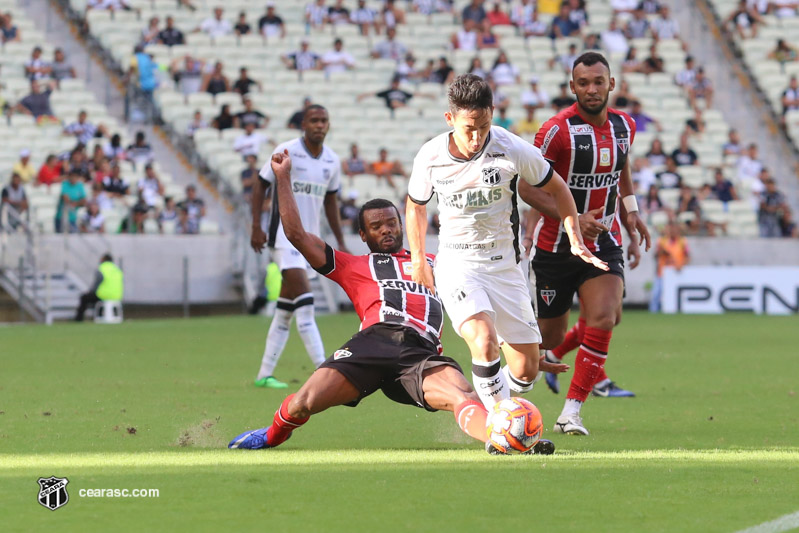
{"points": [[590, 59], [377, 203], [469, 92], [106, 257], [314, 107]]}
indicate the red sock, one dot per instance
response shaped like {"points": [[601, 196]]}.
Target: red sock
{"points": [[471, 417], [572, 339], [283, 424], [601, 376], [590, 363]]}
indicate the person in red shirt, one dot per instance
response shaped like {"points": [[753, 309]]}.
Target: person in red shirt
{"points": [[498, 17], [50, 172], [398, 348]]}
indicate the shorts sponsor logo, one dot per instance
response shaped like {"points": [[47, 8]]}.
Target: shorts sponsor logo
{"points": [[581, 129], [53, 492], [341, 354], [491, 176], [548, 296], [604, 156], [548, 138]]}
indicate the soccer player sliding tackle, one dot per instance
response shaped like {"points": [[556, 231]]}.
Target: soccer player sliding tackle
{"points": [[398, 348], [476, 169]]}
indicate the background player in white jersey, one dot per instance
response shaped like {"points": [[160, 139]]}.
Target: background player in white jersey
{"points": [[315, 178], [474, 169]]}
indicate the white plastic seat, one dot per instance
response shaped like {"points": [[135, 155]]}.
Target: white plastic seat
{"points": [[108, 312]]}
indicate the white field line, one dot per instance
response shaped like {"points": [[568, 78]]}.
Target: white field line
{"points": [[784, 523]]}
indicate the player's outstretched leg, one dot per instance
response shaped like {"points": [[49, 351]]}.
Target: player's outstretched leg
{"points": [[445, 388], [325, 388], [309, 331]]}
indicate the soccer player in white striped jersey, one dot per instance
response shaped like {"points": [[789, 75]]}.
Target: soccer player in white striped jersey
{"points": [[315, 179], [474, 169]]}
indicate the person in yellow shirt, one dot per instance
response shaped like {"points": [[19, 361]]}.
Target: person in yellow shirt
{"points": [[24, 167], [109, 285], [528, 126], [672, 251], [549, 7]]}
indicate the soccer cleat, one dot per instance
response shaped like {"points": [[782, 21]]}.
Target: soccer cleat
{"points": [[542, 447], [551, 379], [492, 450], [270, 382], [608, 389], [252, 440], [570, 425]]}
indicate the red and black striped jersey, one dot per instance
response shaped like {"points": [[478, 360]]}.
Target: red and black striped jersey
{"points": [[381, 289], [591, 160]]}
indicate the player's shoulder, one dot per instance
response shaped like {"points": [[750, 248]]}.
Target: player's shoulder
{"points": [[507, 143], [329, 155], [627, 119], [434, 148], [289, 145]]}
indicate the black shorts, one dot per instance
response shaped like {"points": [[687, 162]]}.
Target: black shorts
{"points": [[558, 276], [389, 357]]}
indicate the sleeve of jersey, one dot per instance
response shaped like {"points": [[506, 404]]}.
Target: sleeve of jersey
{"points": [[335, 264], [420, 188], [531, 165], [335, 179], [548, 141], [266, 173]]}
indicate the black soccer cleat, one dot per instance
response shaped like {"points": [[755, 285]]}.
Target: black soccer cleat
{"points": [[542, 447]]}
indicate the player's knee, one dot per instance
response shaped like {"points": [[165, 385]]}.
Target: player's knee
{"points": [[552, 340], [605, 321], [488, 345]]}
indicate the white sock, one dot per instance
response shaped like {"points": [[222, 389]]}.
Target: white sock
{"points": [[277, 337], [309, 331], [516, 384], [489, 382], [571, 407]]}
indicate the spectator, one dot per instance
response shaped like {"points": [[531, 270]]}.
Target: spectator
{"points": [[428, 7], [316, 14], [295, 122], [671, 251], [535, 27], [392, 15], [197, 123], [143, 69], [749, 164], [72, 197], [497, 17], [702, 88], [733, 144], [697, 124], [503, 72], [102, 170], [184, 225], [50, 171], [528, 126], [251, 141], [190, 77], [150, 187], [652, 202], [772, 206], [476, 68], [689, 203], [169, 213], [669, 178], [623, 7], [24, 168], [685, 78], [788, 226], [36, 68], [521, 13], [444, 74], [784, 8], [744, 20], [93, 220], [37, 103], [215, 82], [650, 7], [591, 43], [113, 148], [302, 59], [563, 100], [224, 120], [108, 285], [622, 97], [642, 174], [170, 35], [642, 120], [577, 13], [248, 176], [783, 53], [354, 164], [501, 119], [637, 27], [534, 97], [654, 63], [390, 48], [83, 130], [466, 37], [271, 25], [194, 208], [631, 62], [394, 96], [108, 5], [250, 115], [656, 156], [60, 68], [790, 96], [385, 169], [243, 84], [722, 188], [349, 211], [683, 155], [562, 25], [337, 60], [566, 61], [242, 27], [407, 72], [665, 26], [9, 33], [613, 39], [501, 100], [216, 26], [133, 224], [140, 152], [338, 14], [79, 162], [14, 196], [486, 38], [365, 18], [149, 35], [114, 185], [475, 12]]}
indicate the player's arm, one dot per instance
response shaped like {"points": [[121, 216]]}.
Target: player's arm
{"points": [[416, 226], [633, 221], [544, 202], [633, 247], [334, 219], [258, 237], [309, 245]]}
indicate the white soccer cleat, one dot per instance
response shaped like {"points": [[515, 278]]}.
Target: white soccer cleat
{"points": [[570, 425]]}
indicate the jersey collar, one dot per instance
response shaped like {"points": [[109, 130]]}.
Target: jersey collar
{"points": [[474, 157], [304, 147]]}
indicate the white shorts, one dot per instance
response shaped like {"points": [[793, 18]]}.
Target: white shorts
{"points": [[288, 257], [503, 295]]}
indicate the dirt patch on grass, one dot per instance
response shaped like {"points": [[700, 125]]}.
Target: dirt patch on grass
{"points": [[202, 435]]}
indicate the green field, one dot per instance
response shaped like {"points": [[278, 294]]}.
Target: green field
{"points": [[710, 444]]}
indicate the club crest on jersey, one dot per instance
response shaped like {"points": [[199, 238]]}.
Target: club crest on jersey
{"points": [[623, 144], [326, 173], [491, 176], [548, 296], [604, 156], [341, 354], [407, 269]]}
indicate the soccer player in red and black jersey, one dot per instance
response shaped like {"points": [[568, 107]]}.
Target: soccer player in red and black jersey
{"points": [[588, 144], [398, 347]]}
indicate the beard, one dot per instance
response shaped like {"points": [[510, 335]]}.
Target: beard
{"points": [[394, 247], [595, 110]]}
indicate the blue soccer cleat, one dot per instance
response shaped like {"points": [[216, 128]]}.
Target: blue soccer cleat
{"points": [[250, 440], [608, 389]]}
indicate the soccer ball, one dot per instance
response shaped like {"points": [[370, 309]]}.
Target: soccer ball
{"points": [[514, 426]]}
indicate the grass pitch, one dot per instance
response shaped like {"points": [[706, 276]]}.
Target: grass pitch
{"points": [[709, 444]]}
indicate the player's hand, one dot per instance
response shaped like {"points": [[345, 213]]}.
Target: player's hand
{"points": [[633, 253], [552, 368], [634, 220], [583, 253], [590, 227], [424, 275], [281, 164], [258, 239]]}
